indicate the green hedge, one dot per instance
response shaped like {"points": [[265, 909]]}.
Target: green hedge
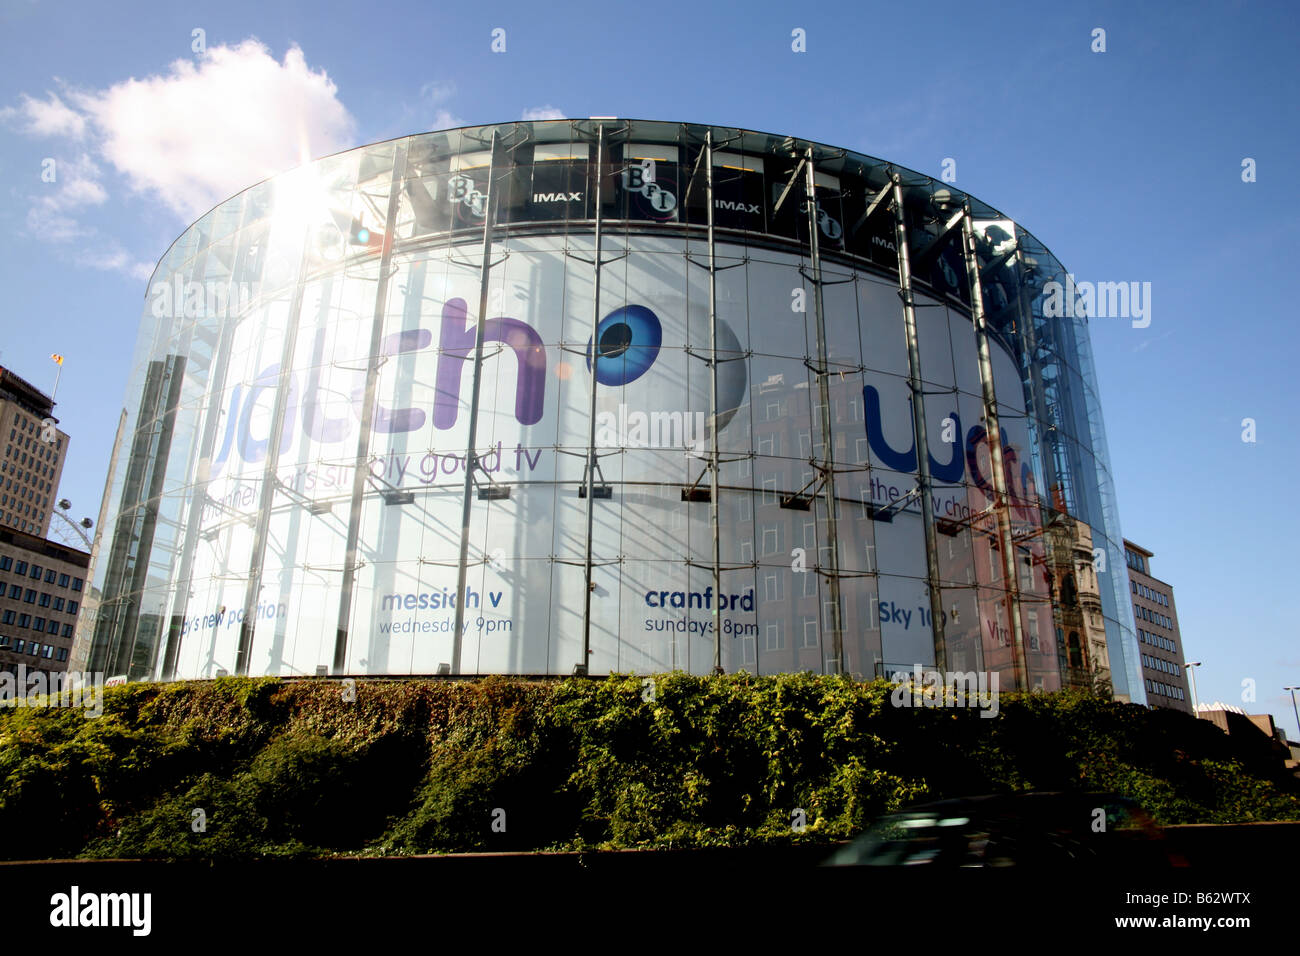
{"points": [[419, 766]]}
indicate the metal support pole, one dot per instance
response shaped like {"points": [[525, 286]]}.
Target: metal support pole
{"points": [[269, 483], [471, 445], [367, 418], [1029, 333], [1051, 544], [828, 444], [590, 474], [919, 428], [198, 501], [994, 434], [714, 524]]}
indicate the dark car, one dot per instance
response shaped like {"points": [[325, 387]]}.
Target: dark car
{"points": [[1020, 829]]}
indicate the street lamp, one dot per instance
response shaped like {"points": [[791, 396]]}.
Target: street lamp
{"points": [[1293, 707], [1192, 674]]}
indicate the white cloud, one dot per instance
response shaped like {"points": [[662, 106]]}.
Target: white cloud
{"points": [[50, 117], [543, 113], [50, 226], [436, 91], [113, 258], [191, 137], [208, 129], [445, 119], [76, 185]]}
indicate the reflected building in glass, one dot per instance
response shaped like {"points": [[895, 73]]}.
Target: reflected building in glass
{"points": [[609, 395]]}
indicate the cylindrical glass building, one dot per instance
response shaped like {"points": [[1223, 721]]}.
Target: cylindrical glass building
{"points": [[616, 395]]}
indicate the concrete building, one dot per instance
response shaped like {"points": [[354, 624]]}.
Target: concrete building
{"points": [[1163, 666], [42, 583], [1257, 731], [34, 452]]}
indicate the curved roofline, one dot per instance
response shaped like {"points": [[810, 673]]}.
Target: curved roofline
{"points": [[581, 119]]}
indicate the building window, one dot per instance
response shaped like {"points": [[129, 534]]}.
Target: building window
{"points": [[19, 646], [76, 584], [67, 630], [772, 640], [6, 563], [36, 572], [29, 597], [72, 607], [809, 632], [20, 568], [50, 575], [45, 600], [63, 653], [52, 627], [809, 584], [63, 580]]}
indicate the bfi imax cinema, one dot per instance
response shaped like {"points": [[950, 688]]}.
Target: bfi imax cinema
{"points": [[606, 395]]}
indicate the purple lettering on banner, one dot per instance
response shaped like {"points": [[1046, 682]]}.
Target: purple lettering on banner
{"points": [[456, 344], [318, 427], [402, 419], [1022, 502], [949, 473], [977, 435], [903, 461], [251, 449], [231, 417]]}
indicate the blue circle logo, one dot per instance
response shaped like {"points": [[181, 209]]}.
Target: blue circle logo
{"points": [[628, 341]]}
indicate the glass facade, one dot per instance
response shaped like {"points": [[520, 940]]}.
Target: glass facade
{"points": [[321, 355]]}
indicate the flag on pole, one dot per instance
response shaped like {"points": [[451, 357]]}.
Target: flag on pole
{"points": [[58, 359]]}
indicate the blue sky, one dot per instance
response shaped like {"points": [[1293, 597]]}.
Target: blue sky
{"points": [[1126, 163]]}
